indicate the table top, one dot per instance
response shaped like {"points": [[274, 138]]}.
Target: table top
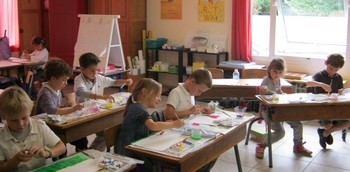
{"points": [[244, 83]]}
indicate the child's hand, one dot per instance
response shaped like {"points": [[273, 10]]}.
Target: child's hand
{"points": [[128, 81], [206, 110], [37, 152], [327, 88], [109, 98], [23, 156], [78, 106], [194, 110], [179, 123]]}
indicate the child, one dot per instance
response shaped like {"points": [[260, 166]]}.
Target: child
{"points": [[329, 81], [90, 85], [25, 143], [57, 73], [137, 122], [272, 84], [181, 99], [40, 53]]}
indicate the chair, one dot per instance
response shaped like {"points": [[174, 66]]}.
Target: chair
{"points": [[216, 73], [110, 135], [253, 73]]}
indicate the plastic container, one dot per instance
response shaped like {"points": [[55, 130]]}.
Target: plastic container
{"points": [[235, 76], [159, 42]]}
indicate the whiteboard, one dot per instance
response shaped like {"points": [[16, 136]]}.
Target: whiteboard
{"points": [[99, 34]]}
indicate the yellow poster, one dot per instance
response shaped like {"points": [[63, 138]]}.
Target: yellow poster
{"points": [[171, 9], [211, 10]]}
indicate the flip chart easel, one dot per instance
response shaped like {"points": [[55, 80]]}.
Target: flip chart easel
{"points": [[99, 34]]}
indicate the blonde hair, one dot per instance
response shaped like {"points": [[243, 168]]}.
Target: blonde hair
{"points": [[149, 84], [14, 101]]}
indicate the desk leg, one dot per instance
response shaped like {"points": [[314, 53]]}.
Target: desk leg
{"points": [[269, 144], [238, 159]]}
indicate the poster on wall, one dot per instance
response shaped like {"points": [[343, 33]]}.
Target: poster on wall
{"points": [[211, 10], [171, 9]]}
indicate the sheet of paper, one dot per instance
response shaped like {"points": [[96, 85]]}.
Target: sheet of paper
{"points": [[160, 141]]}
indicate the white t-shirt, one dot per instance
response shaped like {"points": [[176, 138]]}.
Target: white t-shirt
{"points": [[180, 98], [83, 87], [40, 56], [40, 135]]}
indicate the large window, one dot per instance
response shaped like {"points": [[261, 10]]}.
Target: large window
{"points": [[300, 28]]}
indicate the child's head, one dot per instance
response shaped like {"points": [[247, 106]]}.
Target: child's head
{"points": [[333, 63], [89, 65], [38, 43], [276, 68], [57, 73], [16, 107], [198, 82]]}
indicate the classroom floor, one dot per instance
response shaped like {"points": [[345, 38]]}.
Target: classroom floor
{"points": [[335, 158]]}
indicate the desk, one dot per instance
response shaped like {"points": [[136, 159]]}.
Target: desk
{"points": [[197, 159], [88, 125], [247, 88], [309, 110]]}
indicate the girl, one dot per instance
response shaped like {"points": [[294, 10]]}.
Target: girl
{"points": [[138, 122], [40, 53], [271, 84]]}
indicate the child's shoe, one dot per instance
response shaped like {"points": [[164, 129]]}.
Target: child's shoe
{"points": [[302, 150], [259, 151]]}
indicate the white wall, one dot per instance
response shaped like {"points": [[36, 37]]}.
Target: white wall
{"points": [[176, 30]]}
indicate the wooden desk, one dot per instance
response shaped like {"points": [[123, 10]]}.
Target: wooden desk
{"points": [[195, 160], [85, 126], [247, 88], [285, 111]]}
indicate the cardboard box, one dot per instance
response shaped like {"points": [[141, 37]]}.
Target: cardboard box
{"points": [[198, 65]]}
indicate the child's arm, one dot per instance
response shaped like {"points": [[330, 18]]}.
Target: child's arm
{"points": [[122, 82], [205, 109], [13, 163], [170, 112], [41, 56], [326, 87], [54, 151], [68, 110], [156, 126]]}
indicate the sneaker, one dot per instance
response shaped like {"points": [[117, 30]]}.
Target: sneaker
{"points": [[329, 139], [259, 151], [322, 139], [302, 150]]}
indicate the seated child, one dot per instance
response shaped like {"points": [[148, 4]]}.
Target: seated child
{"points": [[57, 73], [181, 99], [138, 123], [25, 143], [90, 85], [272, 84], [329, 81]]}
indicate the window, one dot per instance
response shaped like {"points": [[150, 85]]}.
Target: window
{"points": [[300, 28]]}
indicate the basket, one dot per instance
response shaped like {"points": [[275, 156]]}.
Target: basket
{"points": [[159, 42]]}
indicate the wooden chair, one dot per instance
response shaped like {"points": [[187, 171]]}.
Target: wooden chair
{"points": [[216, 73], [110, 135], [253, 73]]}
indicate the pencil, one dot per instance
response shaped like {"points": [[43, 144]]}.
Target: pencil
{"points": [[176, 115]]}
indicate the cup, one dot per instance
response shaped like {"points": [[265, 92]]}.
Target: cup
{"points": [[196, 134], [71, 99]]}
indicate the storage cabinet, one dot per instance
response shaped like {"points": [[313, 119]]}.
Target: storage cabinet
{"points": [[131, 23], [152, 55]]}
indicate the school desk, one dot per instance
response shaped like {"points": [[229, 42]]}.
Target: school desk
{"points": [[85, 126], [291, 108], [195, 160], [247, 88]]}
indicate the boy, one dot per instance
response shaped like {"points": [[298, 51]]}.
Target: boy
{"points": [[90, 85], [181, 102], [330, 82], [25, 143], [57, 73]]}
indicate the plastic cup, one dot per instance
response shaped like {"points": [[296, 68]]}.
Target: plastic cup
{"points": [[196, 134]]}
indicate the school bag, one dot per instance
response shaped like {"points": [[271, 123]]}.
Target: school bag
{"points": [[5, 51]]}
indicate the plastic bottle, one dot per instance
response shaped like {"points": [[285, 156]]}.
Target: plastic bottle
{"points": [[235, 76]]}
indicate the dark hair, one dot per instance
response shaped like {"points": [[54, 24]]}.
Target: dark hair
{"points": [[39, 41], [149, 84], [88, 59], [202, 76], [56, 67], [335, 60], [276, 64]]}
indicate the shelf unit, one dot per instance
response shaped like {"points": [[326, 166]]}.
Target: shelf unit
{"points": [[151, 59]]}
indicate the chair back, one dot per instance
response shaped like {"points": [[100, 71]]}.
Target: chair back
{"points": [[110, 136], [216, 73], [253, 73]]}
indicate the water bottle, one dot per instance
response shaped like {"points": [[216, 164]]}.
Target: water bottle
{"points": [[235, 76]]}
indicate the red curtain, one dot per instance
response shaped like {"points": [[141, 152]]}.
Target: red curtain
{"points": [[241, 41], [9, 22]]}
